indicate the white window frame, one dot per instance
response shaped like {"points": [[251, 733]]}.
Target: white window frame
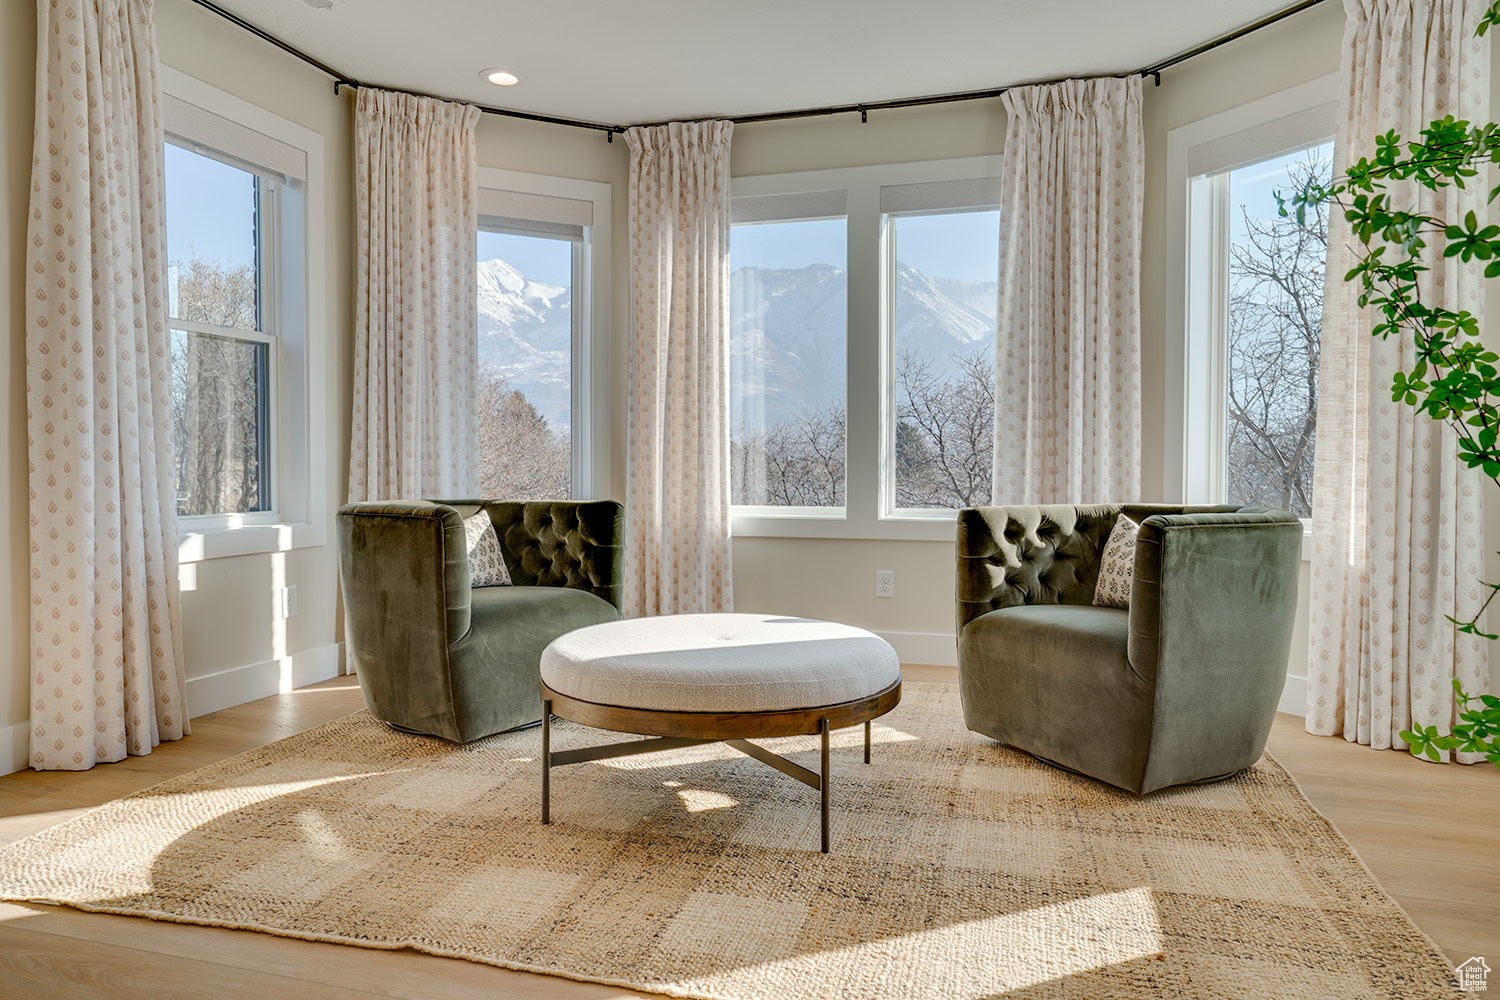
{"points": [[1198, 271], [870, 347], [590, 430], [293, 298]]}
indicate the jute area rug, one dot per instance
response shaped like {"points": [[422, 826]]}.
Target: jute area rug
{"points": [[960, 869]]}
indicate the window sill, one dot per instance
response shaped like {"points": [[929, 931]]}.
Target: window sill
{"points": [[757, 524], [246, 540]]}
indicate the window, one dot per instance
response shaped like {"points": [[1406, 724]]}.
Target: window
{"points": [[235, 282], [525, 399], [221, 348], [245, 303], [1275, 315], [1251, 306], [787, 347], [943, 274], [541, 256], [862, 325]]}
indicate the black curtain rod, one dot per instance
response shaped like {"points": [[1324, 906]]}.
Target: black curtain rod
{"points": [[863, 109], [1265, 22]]}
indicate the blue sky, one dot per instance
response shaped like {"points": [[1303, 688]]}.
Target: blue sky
{"points": [[962, 245], [536, 257], [210, 209], [211, 214], [1253, 189]]}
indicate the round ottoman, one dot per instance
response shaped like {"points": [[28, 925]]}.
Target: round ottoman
{"points": [[692, 679]]}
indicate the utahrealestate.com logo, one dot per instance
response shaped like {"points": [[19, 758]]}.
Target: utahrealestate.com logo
{"points": [[1473, 976]]}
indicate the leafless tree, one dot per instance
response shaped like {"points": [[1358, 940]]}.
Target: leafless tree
{"points": [[520, 456], [944, 431], [944, 434], [218, 392], [797, 462], [1275, 318]]}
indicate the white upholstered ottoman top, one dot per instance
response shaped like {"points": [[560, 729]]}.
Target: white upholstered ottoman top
{"points": [[719, 663]]}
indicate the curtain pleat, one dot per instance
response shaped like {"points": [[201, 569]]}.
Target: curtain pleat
{"points": [[1398, 527], [1068, 385], [416, 340], [677, 553], [106, 652]]}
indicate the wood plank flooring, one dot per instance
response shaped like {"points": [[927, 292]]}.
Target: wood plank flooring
{"points": [[1431, 835]]}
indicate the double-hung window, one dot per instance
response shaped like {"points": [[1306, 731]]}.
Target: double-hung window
{"points": [[237, 303], [1251, 283], [542, 249]]}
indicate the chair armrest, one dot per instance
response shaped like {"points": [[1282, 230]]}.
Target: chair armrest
{"points": [[404, 567], [1216, 594]]}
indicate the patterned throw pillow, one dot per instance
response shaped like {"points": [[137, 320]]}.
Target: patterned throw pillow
{"points": [[486, 562], [1117, 567]]}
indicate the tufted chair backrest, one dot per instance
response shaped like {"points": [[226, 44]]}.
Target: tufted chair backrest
{"points": [[558, 543], [1045, 554]]}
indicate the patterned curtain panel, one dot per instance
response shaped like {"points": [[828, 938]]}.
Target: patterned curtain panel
{"points": [[1398, 538], [416, 327], [1068, 379], [106, 650], [677, 483]]}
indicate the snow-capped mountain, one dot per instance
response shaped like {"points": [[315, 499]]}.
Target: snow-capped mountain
{"points": [[785, 338], [526, 333]]}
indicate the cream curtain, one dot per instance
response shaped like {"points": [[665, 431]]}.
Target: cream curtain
{"points": [[677, 482], [416, 323], [106, 647], [1068, 386], [1398, 540]]}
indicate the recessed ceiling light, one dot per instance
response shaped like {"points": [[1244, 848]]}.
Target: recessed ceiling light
{"points": [[500, 77]]}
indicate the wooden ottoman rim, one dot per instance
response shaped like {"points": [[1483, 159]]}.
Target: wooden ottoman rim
{"points": [[723, 725]]}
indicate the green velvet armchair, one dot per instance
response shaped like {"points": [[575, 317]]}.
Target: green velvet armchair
{"points": [[1181, 687], [437, 657]]}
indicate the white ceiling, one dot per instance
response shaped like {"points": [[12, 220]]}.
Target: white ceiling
{"points": [[630, 61]]}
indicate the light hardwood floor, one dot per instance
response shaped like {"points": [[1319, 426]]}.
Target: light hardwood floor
{"points": [[1430, 834]]}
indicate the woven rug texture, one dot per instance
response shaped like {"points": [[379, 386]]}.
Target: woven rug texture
{"points": [[960, 869]]}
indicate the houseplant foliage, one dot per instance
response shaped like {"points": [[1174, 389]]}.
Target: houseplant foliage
{"points": [[1455, 378]]}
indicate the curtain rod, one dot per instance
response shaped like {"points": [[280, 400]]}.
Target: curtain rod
{"points": [[862, 109]]}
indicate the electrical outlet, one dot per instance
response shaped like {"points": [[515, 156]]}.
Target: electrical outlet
{"points": [[288, 602], [885, 583]]}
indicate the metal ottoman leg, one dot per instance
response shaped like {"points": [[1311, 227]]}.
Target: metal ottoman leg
{"points": [[823, 728], [547, 760]]}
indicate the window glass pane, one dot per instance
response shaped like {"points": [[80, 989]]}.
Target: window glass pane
{"points": [[212, 263], [788, 306], [220, 424], [525, 404], [946, 281], [1275, 316]]}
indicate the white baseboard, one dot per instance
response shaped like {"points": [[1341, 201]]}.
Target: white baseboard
{"points": [[238, 685], [1294, 696], [224, 689], [15, 747], [938, 649]]}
